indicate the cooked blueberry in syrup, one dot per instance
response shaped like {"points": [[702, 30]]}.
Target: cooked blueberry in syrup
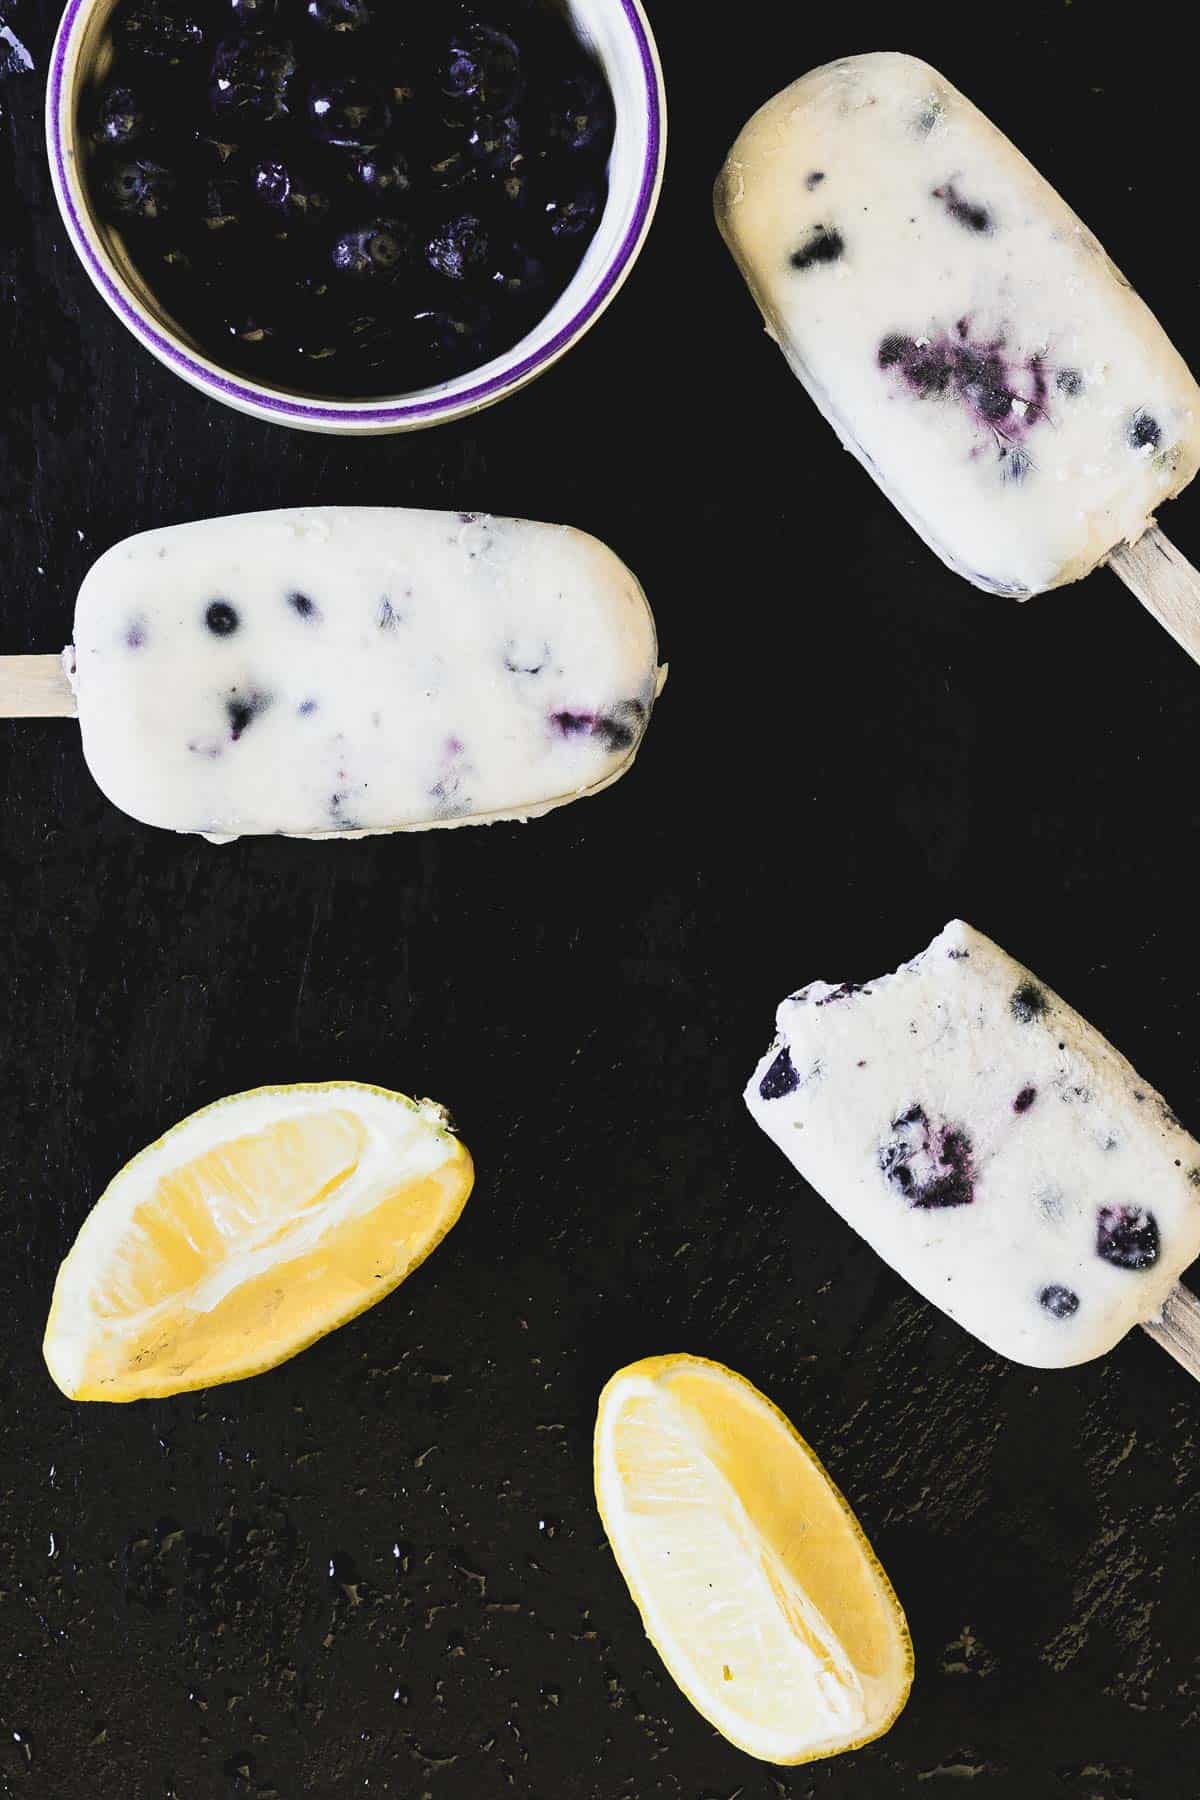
{"points": [[482, 68], [350, 197], [119, 118], [1127, 1236]]}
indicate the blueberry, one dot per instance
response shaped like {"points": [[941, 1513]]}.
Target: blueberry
{"points": [[243, 709], [384, 173], [1024, 1099], [342, 16], [140, 190], [221, 618], [1069, 382], [580, 115], [251, 78], [454, 338], [222, 204], [966, 212], [823, 245], [815, 179], [930, 1165], [575, 217], [306, 608], [349, 112], [1145, 432], [460, 249], [482, 68], [1027, 1003], [781, 1078], [374, 252], [253, 15], [301, 197], [119, 119], [494, 145], [516, 273], [620, 728], [158, 34], [1059, 1302], [1127, 1237]]}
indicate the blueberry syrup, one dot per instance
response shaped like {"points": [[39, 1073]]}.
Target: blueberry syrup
{"points": [[930, 1165]]}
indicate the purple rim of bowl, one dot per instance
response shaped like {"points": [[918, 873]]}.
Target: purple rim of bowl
{"points": [[267, 399]]}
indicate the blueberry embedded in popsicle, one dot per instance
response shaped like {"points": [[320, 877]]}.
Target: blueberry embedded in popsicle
{"points": [[221, 618], [618, 729], [825, 244], [303, 606], [1027, 1003], [1127, 1237], [814, 180], [1145, 432], [967, 213], [1024, 1099], [525, 658], [1069, 382], [844, 992], [930, 1165], [243, 709], [781, 1078], [1060, 1302]]}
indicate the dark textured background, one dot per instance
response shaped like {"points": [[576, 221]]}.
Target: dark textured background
{"points": [[378, 1570]]}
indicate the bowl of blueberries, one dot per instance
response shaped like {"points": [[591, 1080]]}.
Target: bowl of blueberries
{"points": [[356, 215]]}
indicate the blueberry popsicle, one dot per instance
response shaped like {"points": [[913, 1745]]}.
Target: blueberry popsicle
{"points": [[964, 333], [333, 671], [994, 1149]]}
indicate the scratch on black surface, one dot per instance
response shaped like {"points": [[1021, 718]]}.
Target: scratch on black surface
{"points": [[304, 967]]}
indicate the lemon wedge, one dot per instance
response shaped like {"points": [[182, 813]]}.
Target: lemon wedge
{"points": [[754, 1580], [247, 1232]]}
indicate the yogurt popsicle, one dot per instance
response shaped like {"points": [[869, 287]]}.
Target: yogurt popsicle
{"points": [[961, 329], [332, 671], [994, 1149]]}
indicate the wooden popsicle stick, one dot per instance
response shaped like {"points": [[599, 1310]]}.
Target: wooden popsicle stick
{"points": [[1178, 1330], [1165, 583], [35, 687]]}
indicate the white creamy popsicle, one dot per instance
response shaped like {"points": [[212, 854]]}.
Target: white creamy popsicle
{"points": [[994, 1149], [332, 671], [961, 329]]}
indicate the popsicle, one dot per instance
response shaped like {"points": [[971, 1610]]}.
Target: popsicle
{"points": [[337, 671], [964, 333], [994, 1149]]}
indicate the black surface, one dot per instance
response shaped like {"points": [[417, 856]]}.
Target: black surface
{"points": [[378, 1570]]}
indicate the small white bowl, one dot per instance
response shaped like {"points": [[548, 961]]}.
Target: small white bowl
{"points": [[619, 35]]}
